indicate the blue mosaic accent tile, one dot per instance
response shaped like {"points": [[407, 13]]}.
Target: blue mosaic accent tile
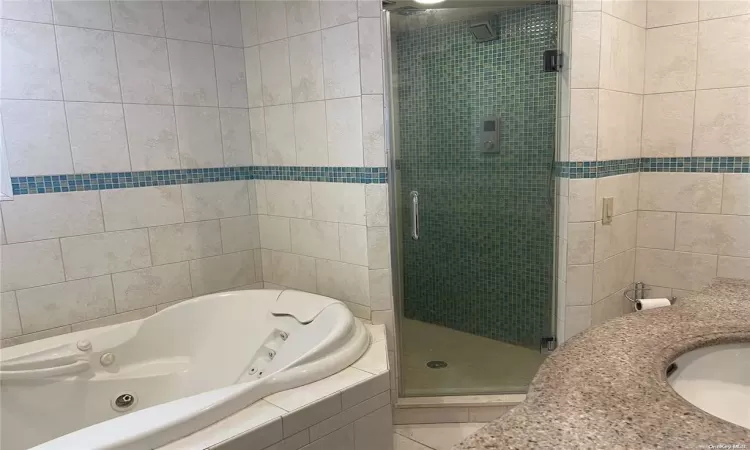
{"points": [[596, 169], [361, 175], [712, 164], [697, 164], [120, 180], [483, 263]]}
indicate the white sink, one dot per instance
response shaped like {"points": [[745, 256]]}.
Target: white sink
{"points": [[717, 380]]}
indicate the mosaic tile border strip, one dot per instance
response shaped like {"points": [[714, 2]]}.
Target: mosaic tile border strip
{"points": [[696, 164], [596, 169], [712, 164], [44, 184]]}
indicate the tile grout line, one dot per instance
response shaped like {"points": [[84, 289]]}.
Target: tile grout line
{"points": [[721, 207], [119, 86], [216, 81], [171, 263], [171, 94], [112, 30], [695, 86], [698, 20], [323, 81], [260, 236], [62, 101], [130, 103], [411, 439], [640, 143]]}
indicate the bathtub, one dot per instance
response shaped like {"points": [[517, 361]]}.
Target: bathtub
{"points": [[146, 383], [716, 379]]}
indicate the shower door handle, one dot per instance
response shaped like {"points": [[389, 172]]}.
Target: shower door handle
{"points": [[414, 215]]}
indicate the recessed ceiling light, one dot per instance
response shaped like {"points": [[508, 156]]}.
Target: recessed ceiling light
{"points": [[429, 2]]}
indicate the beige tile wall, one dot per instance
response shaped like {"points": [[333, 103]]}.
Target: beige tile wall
{"points": [[600, 260], [673, 231], [697, 80], [693, 227], [284, 83], [316, 92], [606, 58], [120, 86], [84, 259], [316, 98], [605, 83]]}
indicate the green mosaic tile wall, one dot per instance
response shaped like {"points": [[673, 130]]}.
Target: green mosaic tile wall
{"points": [[484, 260]]}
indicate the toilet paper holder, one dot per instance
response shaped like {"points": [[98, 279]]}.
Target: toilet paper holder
{"points": [[638, 293]]}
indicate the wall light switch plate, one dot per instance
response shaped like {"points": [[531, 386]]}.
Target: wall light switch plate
{"points": [[608, 210]]}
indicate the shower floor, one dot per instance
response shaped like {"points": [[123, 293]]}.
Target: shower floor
{"points": [[476, 365]]}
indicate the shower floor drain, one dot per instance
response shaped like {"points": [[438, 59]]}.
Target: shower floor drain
{"points": [[437, 364]]}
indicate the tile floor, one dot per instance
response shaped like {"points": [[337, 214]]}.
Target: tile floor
{"points": [[476, 365], [441, 436]]}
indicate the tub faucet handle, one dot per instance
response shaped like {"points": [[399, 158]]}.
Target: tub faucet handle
{"points": [[84, 345]]}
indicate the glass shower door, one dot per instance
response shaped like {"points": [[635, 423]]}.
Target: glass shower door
{"points": [[473, 126]]}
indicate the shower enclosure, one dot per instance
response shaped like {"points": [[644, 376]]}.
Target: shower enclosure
{"points": [[472, 138]]}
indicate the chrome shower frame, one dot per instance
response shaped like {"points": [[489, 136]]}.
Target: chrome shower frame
{"points": [[390, 154]]}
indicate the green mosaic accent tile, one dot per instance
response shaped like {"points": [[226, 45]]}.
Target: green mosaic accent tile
{"points": [[712, 164], [596, 169], [363, 175], [697, 164], [484, 260], [44, 184]]}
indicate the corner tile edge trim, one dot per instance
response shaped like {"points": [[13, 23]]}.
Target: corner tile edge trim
{"points": [[692, 164], [43, 184]]}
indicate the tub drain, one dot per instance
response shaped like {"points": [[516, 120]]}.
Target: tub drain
{"points": [[437, 364], [124, 402]]}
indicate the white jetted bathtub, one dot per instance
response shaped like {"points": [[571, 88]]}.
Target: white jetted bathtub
{"points": [[717, 380], [143, 384]]}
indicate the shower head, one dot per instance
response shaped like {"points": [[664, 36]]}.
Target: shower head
{"points": [[482, 31]]}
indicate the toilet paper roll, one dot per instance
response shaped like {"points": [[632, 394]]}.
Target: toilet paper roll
{"points": [[651, 303]]}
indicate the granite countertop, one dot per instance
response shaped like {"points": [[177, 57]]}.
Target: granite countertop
{"points": [[607, 388]]}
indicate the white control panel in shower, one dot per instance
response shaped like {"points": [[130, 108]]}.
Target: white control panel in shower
{"points": [[489, 135]]}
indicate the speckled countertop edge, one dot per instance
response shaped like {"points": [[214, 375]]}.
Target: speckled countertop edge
{"points": [[607, 388]]}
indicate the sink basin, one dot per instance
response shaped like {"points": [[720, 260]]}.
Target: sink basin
{"points": [[716, 379]]}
